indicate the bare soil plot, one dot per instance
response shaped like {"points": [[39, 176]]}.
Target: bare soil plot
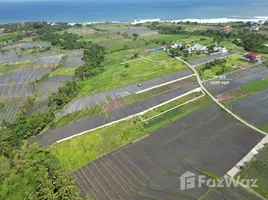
{"points": [[52, 84], [74, 59], [233, 94], [112, 105]]}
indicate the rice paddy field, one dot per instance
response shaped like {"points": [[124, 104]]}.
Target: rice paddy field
{"points": [[74, 153], [257, 169], [117, 75]]}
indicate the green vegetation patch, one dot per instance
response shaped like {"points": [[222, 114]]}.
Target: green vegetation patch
{"points": [[265, 128], [77, 152], [177, 113], [108, 98], [144, 95], [117, 75], [11, 82], [256, 86], [170, 105], [211, 175], [159, 56], [250, 89], [106, 115], [165, 38], [216, 68], [63, 72], [73, 117]]}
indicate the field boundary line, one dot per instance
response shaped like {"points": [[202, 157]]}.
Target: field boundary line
{"points": [[215, 100], [173, 107], [234, 53], [130, 61], [232, 72], [124, 119], [253, 152], [155, 61], [163, 84]]}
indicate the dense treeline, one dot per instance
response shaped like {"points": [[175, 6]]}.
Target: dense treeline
{"points": [[66, 40], [26, 170], [93, 57], [252, 42], [64, 95]]}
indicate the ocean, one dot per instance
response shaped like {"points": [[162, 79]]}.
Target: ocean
{"points": [[128, 10]]}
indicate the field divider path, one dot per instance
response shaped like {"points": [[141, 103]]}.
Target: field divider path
{"points": [[130, 61], [123, 119], [237, 168], [163, 84], [219, 58], [155, 61], [242, 69], [219, 103], [232, 172], [196, 90]]}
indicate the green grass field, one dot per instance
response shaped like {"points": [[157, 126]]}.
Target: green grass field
{"points": [[170, 105], [250, 89], [9, 67], [117, 75], [159, 56], [233, 63], [256, 86], [77, 152], [145, 95], [63, 72]]}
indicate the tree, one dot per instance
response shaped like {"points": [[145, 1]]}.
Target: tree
{"points": [[174, 52], [2, 105]]}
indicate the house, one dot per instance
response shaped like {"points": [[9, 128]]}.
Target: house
{"points": [[200, 47], [219, 49], [196, 48], [252, 28], [252, 57], [176, 45], [261, 22], [226, 29]]}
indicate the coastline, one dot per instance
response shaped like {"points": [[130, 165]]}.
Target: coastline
{"points": [[200, 21]]}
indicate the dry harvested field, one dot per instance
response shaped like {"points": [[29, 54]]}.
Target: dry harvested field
{"points": [[100, 98], [206, 140], [74, 59], [224, 97], [22, 76], [101, 119], [239, 78], [52, 84], [9, 57], [15, 84], [27, 45], [253, 108], [142, 31]]}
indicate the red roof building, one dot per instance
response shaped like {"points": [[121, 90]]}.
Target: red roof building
{"points": [[252, 57], [252, 54]]}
